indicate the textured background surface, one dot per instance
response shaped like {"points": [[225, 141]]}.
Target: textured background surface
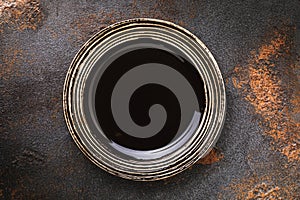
{"points": [[256, 44]]}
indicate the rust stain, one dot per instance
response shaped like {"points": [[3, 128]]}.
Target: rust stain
{"points": [[10, 58], [13, 193], [274, 98], [296, 102], [235, 82], [264, 191], [270, 83], [20, 14], [263, 188], [212, 157]]}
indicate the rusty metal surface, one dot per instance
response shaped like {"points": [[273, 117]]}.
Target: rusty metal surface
{"points": [[256, 44]]}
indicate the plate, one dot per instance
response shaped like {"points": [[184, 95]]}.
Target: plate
{"points": [[144, 99]]}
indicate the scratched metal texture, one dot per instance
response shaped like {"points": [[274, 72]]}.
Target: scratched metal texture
{"points": [[39, 159]]}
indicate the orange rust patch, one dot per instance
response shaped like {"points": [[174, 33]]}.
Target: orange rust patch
{"points": [[20, 14], [263, 86], [295, 101], [235, 83], [212, 157], [264, 181], [263, 188], [264, 191]]}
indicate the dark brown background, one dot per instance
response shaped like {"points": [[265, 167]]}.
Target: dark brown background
{"points": [[256, 44]]}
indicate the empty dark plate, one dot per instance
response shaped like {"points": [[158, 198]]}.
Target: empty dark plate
{"points": [[144, 99]]}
